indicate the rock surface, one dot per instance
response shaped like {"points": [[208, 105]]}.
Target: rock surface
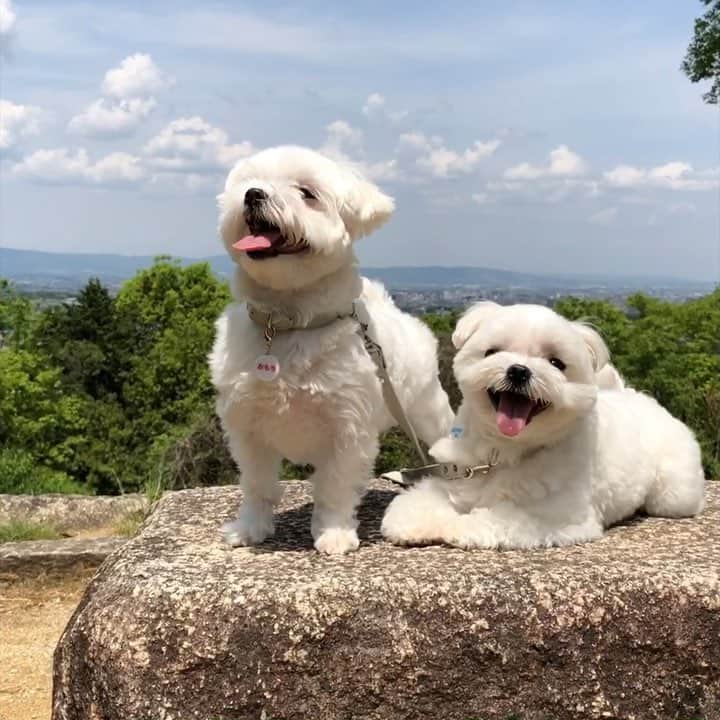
{"points": [[178, 626], [33, 556], [70, 512]]}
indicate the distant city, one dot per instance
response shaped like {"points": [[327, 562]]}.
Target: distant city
{"points": [[59, 276]]}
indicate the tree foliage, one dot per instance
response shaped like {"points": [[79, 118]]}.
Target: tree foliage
{"points": [[108, 377], [702, 60], [109, 394]]}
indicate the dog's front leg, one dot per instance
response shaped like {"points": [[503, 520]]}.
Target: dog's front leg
{"points": [[259, 467], [338, 486], [419, 516], [507, 525]]}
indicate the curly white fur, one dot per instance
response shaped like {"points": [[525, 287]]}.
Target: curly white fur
{"points": [[593, 457], [326, 407]]}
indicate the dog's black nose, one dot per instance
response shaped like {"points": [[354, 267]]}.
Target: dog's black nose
{"points": [[254, 196], [518, 374]]}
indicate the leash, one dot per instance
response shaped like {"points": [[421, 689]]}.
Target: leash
{"points": [[375, 351], [405, 477], [267, 366]]}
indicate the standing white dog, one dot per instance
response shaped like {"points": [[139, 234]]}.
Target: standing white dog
{"points": [[292, 374], [572, 459]]}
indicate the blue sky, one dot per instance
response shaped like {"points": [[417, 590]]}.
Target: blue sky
{"points": [[553, 136]]}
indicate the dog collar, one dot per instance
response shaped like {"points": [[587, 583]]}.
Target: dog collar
{"points": [[447, 471], [281, 321]]}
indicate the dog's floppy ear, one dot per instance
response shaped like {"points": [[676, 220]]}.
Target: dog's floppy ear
{"points": [[365, 207], [471, 320], [594, 343]]}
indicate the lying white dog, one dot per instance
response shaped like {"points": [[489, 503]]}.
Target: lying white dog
{"points": [[302, 386], [572, 459]]}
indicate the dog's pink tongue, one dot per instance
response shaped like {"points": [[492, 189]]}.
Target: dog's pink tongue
{"points": [[513, 413], [253, 242]]}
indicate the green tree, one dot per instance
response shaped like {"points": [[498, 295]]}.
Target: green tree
{"points": [[37, 413], [174, 310], [18, 317], [702, 60], [171, 311], [137, 363], [89, 340]]}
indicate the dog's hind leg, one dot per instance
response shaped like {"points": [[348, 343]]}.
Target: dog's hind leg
{"points": [[339, 483], [679, 488], [259, 467]]}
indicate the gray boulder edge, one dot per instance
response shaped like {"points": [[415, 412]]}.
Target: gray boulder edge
{"points": [[176, 625], [35, 556], [70, 512]]}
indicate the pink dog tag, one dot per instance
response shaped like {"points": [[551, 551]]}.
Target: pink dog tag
{"points": [[267, 367]]}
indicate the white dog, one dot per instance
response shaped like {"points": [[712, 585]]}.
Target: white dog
{"points": [[303, 386], [572, 459]]}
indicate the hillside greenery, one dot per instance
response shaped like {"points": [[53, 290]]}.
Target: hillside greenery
{"points": [[110, 394]]}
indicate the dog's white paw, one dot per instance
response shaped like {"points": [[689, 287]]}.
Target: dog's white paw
{"points": [[337, 541], [403, 528], [248, 529], [407, 522], [473, 531]]}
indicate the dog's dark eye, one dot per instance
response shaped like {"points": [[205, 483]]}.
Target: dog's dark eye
{"points": [[307, 194], [490, 351], [558, 363]]}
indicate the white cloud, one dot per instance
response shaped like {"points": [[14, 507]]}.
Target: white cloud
{"points": [[376, 107], [54, 165], [103, 119], [345, 143], [604, 217], [670, 172], [116, 167], [7, 17], [524, 171], [380, 171], [545, 189], [440, 161], [625, 176], [129, 87], [563, 162], [17, 121], [341, 139], [192, 145], [136, 76], [482, 198], [63, 166], [674, 175]]}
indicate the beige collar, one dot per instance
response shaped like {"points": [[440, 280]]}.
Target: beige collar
{"points": [[280, 321]]}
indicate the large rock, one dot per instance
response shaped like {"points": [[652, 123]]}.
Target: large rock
{"points": [[177, 625]]}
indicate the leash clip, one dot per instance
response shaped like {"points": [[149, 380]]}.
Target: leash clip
{"points": [[269, 332]]}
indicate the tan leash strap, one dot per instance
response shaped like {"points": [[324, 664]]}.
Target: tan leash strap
{"points": [[389, 395]]}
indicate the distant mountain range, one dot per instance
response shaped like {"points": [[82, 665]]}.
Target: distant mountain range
{"points": [[69, 271]]}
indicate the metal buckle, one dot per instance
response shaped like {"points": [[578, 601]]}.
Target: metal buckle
{"points": [[269, 332]]}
